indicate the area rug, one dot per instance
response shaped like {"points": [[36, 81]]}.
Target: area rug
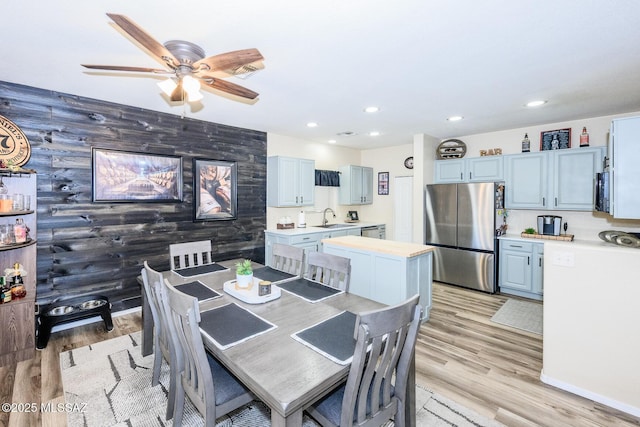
{"points": [[518, 314], [109, 384]]}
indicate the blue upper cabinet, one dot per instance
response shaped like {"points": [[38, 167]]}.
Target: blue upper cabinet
{"points": [[290, 181], [356, 185], [476, 169], [557, 180]]}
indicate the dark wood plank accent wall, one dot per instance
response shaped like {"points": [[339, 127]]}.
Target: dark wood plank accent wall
{"points": [[86, 247]]}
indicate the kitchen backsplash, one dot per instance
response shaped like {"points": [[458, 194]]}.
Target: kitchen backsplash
{"points": [[583, 225]]}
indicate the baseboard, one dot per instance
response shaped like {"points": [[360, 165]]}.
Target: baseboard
{"points": [[624, 407], [94, 319]]}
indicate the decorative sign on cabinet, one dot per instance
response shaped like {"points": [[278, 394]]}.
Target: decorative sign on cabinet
{"points": [[17, 312], [557, 179], [356, 185], [290, 181]]}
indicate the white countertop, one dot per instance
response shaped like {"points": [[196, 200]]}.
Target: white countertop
{"points": [[391, 247], [592, 244], [307, 230]]}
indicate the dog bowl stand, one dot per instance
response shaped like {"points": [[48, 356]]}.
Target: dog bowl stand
{"points": [[71, 309]]}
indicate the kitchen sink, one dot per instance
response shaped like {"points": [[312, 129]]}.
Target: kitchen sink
{"points": [[334, 225]]}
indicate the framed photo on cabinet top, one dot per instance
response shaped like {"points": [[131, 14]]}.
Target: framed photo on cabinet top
{"points": [[215, 187], [555, 139], [123, 176]]}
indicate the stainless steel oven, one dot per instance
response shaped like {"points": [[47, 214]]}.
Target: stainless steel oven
{"points": [[376, 231]]}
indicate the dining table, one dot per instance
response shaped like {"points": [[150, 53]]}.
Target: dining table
{"points": [[279, 370]]}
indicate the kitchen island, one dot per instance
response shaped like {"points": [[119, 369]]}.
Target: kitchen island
{"points": [[386, 271]]}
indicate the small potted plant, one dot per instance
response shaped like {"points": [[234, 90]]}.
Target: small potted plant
{"points": [[244, 274]]}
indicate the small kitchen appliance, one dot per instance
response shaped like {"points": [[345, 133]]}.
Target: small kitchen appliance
{"points": [[549, 225]]}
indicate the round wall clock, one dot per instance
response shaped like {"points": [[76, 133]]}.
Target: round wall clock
{"points": [[408, 163], [15, 149]]}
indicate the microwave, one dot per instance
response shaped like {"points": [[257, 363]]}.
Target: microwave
{"points": [[602, 192]]}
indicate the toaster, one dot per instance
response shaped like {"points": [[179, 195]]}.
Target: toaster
{"points": [[549, 225]]}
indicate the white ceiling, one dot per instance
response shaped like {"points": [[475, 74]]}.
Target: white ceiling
{"points": [[420, 61]]}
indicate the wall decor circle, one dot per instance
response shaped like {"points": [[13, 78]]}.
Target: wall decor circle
{"points": [[15, 149], [451, 149]]}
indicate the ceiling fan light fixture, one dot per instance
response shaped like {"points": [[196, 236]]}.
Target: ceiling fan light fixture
{"points": [[168, 86], [192, 87]]}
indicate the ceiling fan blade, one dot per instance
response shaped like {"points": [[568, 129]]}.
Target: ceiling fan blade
{"points": [[229, 60], [125, 68], [230, 88], [178, 93], [154, 47]]}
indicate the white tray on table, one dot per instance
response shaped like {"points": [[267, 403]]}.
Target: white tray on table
{"points": [[250, 296]]}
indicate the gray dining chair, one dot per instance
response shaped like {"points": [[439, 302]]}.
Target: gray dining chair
{"points": [[287, 258], [212, 389], [376, 388], [162, 345], [190, 254], [332, 270]]}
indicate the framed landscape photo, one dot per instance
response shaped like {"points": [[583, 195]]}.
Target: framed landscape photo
{"points": [[123, 176], [555, 139], [383, 183], [215, 187]]}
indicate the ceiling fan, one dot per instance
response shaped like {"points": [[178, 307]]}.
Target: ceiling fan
{"points": [[187, 66]]}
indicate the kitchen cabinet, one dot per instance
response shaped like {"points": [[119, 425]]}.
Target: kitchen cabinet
{"points": [[386, 271], [475, 169], [310, 241], [290, 181], [356, 185], [624, 157], [17, 317], [521, 268], [557, 180]]}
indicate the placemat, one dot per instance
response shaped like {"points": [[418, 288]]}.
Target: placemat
{"points": [[231, 324], [309, 290], [200, 269], [199, 290], [271, 274], [333, 337]]}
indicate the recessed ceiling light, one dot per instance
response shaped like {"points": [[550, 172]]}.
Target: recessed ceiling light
{"points": [[312, 125], [454, 118], [371, 109], [332, 141], [374, 133], [536, 103]]}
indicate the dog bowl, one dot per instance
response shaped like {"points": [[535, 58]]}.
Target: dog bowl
{"points": [[94, 303], [60, 311]]}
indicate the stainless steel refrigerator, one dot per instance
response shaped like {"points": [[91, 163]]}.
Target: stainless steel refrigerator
{"points": [[461, 224]]}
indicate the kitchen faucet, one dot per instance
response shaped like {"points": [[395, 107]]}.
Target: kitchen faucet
{"points": [[324, 216]]}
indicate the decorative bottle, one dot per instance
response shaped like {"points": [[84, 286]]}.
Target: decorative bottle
{"points": [[584, 138], [20, 231], [526, 144]]}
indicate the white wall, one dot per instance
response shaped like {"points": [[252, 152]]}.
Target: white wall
{"points": [[327, 157], [584, 225]]}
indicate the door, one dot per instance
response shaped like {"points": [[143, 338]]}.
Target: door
{"points": [[441, 214], [476, 216]]}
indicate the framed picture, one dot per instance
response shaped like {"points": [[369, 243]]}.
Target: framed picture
{"points": [[383, 183], [215, 187], [123, 176], [555, 139], [353, 215]]}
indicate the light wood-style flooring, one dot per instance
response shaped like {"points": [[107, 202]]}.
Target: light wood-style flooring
{"points": [[460, 354]]}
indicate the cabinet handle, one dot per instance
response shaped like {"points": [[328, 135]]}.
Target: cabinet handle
{"points": [[540, 262], [461, 176], [301, 199], [543, 202], [296, 200], [306, 238], [528, 260], [556, 201], [515, 246], [469, 175]]}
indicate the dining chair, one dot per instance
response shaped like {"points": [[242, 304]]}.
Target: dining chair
{"points": [[287, 258], [162, 345], [190, 254], [212, 389], [376, 388], [332, 270]]}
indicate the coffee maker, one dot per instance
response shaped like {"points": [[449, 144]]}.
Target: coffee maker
{"points": [[549, 225]]}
